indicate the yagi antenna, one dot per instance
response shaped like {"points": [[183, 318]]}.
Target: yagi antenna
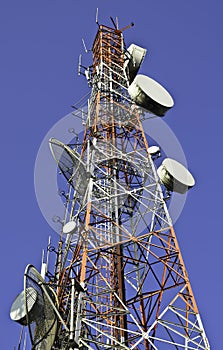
{"points": [[45, 261], [85, 48], [114, 24], [96, 18], [48, 252], [24, 345], [116, 20], [43, 265], [79, 64]]}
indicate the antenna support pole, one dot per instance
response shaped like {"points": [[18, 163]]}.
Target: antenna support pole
{"points": [[72, 311]]}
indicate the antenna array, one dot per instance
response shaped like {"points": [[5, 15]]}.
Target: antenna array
{"points": [[119, 280]]}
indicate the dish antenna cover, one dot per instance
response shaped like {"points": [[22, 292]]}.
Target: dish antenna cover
{"points": [[175, 176], [149, 94], [18, 309], [154, 150], [135, 56], [69, 228]]}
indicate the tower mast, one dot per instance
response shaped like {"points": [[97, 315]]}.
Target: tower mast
{"points": [[120, 281]]}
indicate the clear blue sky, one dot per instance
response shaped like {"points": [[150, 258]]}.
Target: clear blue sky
{"points": [[40, 42]]}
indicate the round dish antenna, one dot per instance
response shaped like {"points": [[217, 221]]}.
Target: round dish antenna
{"points": [[154, 150], [175, 176], [18, 310], [69, 228], [69, 163], [149, 94], [35, 307], [42, 323], [135, 56]]}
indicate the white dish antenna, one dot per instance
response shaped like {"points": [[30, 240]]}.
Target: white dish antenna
{"points": [[149, 94], [18, 310], [69, 228], [175, 176], [36, 307], [154, 150], [135, 56]]}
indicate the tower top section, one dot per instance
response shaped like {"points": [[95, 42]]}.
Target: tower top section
{"points": [[108, 47]]}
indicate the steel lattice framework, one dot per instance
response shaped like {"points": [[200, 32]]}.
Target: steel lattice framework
{"points": [[132, 288], [120, 280]]}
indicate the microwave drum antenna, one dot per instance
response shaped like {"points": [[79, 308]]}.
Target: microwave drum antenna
{"points": [[136, 55], [149, 94], [175, 176]]}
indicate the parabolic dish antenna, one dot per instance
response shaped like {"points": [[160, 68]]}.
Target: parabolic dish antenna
{"points": [[136, 56], [69, 227], [43, 324], [69, 163], [154, 150], [149, 94], [175, 176], [18, 310], [32, 308]]}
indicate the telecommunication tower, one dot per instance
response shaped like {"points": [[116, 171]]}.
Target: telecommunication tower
{"points": [[119, 280]]}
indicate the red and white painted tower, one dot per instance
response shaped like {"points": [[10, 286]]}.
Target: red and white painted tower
{"points": [[119, 280]]}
